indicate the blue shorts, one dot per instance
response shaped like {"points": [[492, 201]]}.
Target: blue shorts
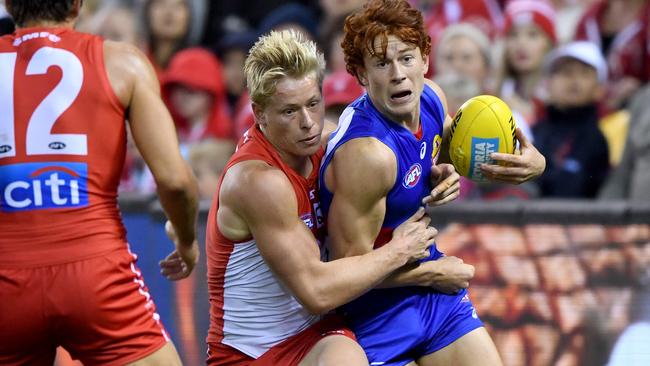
{"points": [[399, 325]]}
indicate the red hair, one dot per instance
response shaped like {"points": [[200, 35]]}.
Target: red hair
{"points": [[381, 18]]}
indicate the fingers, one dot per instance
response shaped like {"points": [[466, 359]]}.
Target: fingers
{"points": [[447, 196], [523, 140], [447, 187], [511, 159]]}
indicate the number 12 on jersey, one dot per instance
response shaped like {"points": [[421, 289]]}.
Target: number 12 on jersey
{"points": [[39, 139]]}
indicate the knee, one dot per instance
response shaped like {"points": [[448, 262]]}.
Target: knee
{"points": [[347, 353]]}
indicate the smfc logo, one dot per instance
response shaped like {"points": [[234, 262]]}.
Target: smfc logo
{"points": [[33, 186], [412, 176]]}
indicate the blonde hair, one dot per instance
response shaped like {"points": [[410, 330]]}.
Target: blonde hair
{"points": [[280, 54]]}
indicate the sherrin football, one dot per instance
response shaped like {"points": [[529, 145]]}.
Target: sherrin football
{"points": [[482, 125]]}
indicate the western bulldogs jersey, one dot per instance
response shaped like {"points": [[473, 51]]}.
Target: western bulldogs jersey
{"points": [[414, 155], [62, 147], [398, 325]]}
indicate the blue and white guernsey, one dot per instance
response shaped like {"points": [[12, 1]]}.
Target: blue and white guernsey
{"points": [[396, 326]]}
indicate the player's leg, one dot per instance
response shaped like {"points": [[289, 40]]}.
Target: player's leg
{"points": [[25, 337], [474, 348], [166, 356], [335, 350], [110, 317]]}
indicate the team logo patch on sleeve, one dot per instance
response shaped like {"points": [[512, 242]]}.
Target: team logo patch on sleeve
{"points": [[412, 176], [34, 186]]}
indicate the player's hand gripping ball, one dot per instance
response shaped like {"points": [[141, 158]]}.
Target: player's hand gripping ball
{"points": [[482, 125]]}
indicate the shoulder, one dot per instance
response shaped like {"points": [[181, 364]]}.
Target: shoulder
{"points": [[253, 186], [367, 161], [126, 60], [127, 66]]}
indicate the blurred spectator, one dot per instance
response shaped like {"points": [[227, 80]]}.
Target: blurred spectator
{"points": [[86, 13], [228, 16], [339, 90], [568, 14], [631, 178], [330, 40], [291, 16], [576, 151], [195, 94], [333, 10], [463, 49], [6, 23], [232, 51], [458, 88], [618, 28], [167, 24], [115, 20], [207, 159], [529, 36], [486, 15]]}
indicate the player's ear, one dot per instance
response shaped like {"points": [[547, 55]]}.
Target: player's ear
{"points": [[362, 76], [260, 116], [76, 8], [425, 59]]}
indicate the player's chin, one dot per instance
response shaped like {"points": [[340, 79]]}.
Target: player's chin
{"points": [[309, 150]]}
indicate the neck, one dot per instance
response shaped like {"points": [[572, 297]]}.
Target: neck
{"points": [[527, 84], [300, 164], [163, 52], [48, 24], [413, 126]]}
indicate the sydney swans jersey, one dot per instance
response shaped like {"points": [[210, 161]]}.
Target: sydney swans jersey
{"points": [[62, 146], [414, 155], [250, 309]]}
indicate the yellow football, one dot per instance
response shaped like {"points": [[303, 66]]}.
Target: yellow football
{"points": [[482, 125]]}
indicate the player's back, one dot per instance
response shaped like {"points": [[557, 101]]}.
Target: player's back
{"points": [[62, 146]]}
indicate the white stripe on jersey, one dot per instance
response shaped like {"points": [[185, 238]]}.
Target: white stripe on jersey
{"points": [[344, 123], [258, 311]]}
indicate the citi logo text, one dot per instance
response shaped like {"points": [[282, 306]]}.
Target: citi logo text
{"points": [[33, 186]]}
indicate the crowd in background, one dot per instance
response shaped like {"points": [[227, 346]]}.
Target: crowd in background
{"points": [[574, 72]]}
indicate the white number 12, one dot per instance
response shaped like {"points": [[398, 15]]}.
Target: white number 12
{"points": [[39, 138]]}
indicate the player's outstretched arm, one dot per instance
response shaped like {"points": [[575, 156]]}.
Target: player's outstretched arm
{"points": [[361, 175], [136, 86], [260, 198], [527, 163]]}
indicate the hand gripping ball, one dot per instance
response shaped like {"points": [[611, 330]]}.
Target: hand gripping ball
{"points": [[482, 125]]}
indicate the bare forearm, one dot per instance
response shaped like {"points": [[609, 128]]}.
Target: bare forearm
{"points": [[412, 274], [180, 203], [341, 281]]}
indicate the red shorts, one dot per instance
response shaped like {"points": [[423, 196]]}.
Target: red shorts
{"points": [[287, 353], [98, 309]]}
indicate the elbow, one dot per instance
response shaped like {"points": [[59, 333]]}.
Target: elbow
{"points": [[318, 303]]}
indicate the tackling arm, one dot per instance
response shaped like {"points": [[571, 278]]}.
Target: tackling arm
{"points": [[261, 197]]}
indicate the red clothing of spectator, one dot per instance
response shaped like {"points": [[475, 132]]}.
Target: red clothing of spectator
{"points": [[199, 69], [626, 55], [484, 14]]}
